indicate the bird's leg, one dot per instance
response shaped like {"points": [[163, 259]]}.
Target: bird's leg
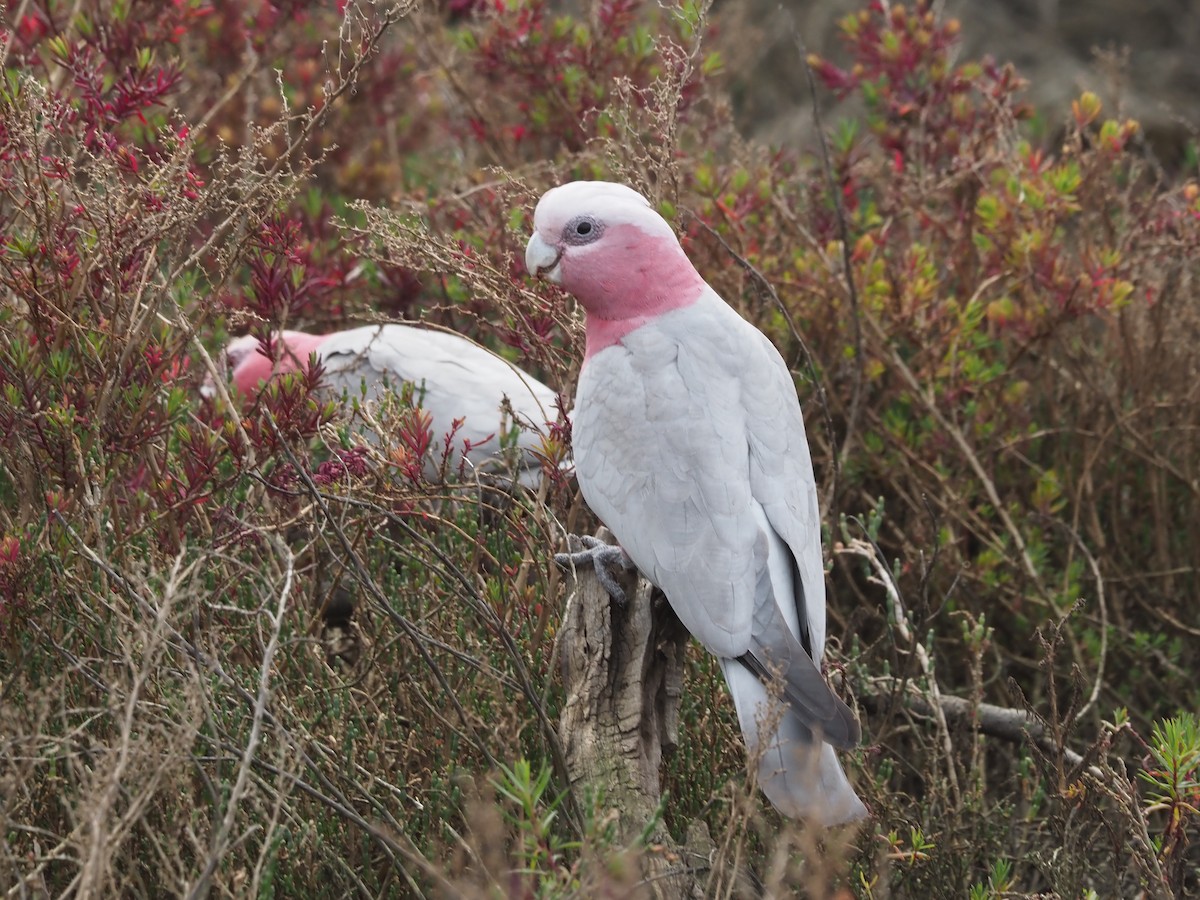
{"points": [[601, 557]]}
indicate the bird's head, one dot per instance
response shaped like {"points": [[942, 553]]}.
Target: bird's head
{"points": [[606, 245], [249, 366]]}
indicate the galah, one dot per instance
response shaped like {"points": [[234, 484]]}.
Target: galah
{"points": [[689, 445], [452, 378]]}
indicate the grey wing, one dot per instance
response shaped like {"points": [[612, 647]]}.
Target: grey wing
{"points": [[777, 651], [452, 379], [660, 453], [782, 479], [789, 629], [663, 455]]}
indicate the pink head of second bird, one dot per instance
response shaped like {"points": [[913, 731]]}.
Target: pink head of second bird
{"points": [[252, 368]]}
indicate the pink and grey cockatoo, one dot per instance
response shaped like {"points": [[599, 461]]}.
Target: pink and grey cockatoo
{"points": [[689, 445], [452, 379]]}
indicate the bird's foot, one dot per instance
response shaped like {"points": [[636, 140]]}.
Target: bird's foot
{"points": [[602, 557]]}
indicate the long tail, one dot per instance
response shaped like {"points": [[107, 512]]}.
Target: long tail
{"points": [[799, 773]]}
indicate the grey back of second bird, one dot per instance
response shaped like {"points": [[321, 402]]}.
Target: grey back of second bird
{"points": [[499, 404]]}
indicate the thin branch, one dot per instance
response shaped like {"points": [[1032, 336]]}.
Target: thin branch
{"points": [[1099, 579], [525, 684], [220, 842], [870, 552], [365, 579], [964, 447], [104, 835], [844, 234], [1006, 723], [212, 665]]}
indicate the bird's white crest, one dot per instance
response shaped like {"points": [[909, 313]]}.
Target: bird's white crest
{"points": [[601, 201], [614, 204], [239, 348]]}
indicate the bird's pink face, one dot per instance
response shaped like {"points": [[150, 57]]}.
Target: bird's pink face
{"points": [[251, 367], [604, 244]]}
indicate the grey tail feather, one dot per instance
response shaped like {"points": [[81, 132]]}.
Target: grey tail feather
{"points": [[801, 777], [807, 781], [815, 705]]}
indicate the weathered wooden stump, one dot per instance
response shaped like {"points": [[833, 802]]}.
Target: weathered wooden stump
{"points": [[623, 671]]}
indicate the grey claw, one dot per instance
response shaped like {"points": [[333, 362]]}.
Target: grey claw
{"points": [[601, 557]]}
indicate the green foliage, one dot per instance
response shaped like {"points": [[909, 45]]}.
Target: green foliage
{"points": [[540, 848], [999, 882], [1174, 788]]}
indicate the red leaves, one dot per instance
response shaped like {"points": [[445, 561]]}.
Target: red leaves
{"points": [[300, 266], [919, 103], [15, 576], [345, 464], [10, 550], [560, 73], [413, 440], [282, 283]]}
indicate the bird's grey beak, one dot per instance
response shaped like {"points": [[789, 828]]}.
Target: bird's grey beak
{"points": [[541, 259]]}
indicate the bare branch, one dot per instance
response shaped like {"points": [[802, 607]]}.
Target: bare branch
{"points": [[220, 841], [883, 576]]}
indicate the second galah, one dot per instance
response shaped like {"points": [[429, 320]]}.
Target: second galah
{"points": [[452, 378], [689, 444]]}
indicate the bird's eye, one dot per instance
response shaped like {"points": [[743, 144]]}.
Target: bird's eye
{"points": [[582, 230]]}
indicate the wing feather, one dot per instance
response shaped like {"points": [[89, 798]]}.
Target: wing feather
{"points": [[690, 446], [452, 379], [781, 475], [660, 449]]}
